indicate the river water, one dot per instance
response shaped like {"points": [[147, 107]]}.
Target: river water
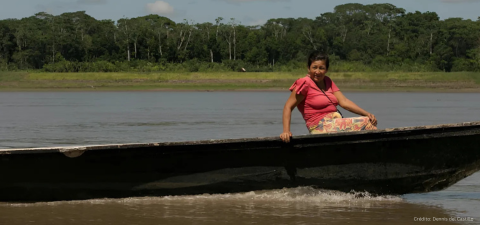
{"points": [[44, 119]]}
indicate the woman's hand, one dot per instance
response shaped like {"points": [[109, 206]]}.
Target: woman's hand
{"points": [[372, 118], [285, 136]]}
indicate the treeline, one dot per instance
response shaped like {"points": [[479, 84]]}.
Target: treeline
{"points": [[377, 37]]}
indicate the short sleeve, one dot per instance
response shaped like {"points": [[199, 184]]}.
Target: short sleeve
{"points": [[333, 85], [301, 86]]}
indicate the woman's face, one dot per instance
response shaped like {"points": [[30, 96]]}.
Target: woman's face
{"points": [[317, 70]]}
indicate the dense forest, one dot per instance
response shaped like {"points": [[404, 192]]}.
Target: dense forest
{"points": [[376, 37]]}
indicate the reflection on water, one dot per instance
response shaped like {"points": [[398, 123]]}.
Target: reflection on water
{"points": [[463, 198], [89, 118]]}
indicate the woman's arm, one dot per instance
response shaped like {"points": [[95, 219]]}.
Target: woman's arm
{"points": [[291, 103], [345, 103]]}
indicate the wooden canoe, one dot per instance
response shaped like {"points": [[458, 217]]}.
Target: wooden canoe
{"points": [[391, 161]]}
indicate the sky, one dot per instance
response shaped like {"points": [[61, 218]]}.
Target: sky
{"points": [[247, 12]]}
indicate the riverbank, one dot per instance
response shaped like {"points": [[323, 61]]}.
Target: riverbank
{"points": [[235, 81]]}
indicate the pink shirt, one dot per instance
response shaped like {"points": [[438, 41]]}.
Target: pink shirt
{"points": [[316, 105]]}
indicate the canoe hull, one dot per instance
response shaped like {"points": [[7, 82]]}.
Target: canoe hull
{"points": [[397, 161]]}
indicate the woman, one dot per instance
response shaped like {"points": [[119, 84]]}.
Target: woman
{"points": [[317, 97]]}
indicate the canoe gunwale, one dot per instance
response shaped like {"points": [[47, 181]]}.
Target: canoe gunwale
{"points": [[389, 133]]}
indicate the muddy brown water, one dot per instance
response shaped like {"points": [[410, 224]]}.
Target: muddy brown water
{"points": [[29, 119]]}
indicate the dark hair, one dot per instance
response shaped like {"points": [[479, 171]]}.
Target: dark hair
{"points": [[316, 56]]}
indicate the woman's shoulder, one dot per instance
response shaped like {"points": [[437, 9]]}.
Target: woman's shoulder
{"points": [[304, 80], [301, 85]]}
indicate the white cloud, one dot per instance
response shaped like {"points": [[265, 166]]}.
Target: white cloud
{"points": [[160, 7], [257, 22]]}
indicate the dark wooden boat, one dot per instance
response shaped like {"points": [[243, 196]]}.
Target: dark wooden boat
{"points": [[391, 161]]}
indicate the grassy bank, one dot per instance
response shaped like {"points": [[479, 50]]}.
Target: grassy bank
{"points": [[351, 81]]}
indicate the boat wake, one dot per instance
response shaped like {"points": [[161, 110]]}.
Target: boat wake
{"points": [[287, 195], [300, 194]]}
